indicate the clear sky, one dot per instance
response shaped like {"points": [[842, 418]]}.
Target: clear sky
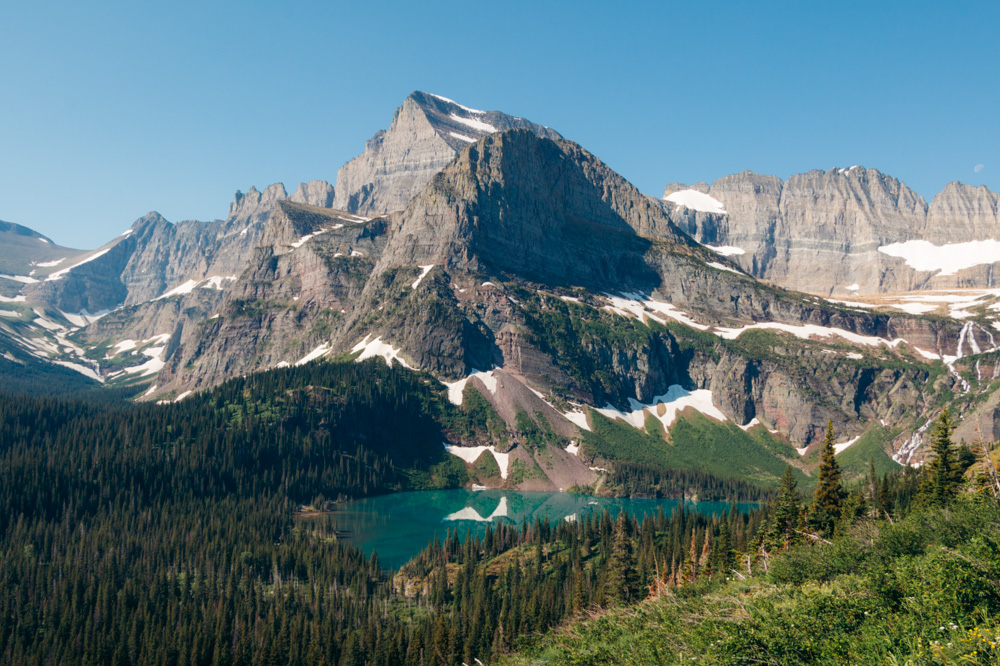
{"points": [[110, 110]]}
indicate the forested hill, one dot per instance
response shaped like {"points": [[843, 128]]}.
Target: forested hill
{"points": [[166, 533]]}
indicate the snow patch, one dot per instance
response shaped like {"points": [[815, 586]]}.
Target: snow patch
{"points": [[854, 287], [82, 369], [19, 278], [727, 250], [58, 274], [322, 350], [16, 299], [473, 123], [461, 106], [639, 305], [49, 264], [723, 267], [424, 270], [578, 417], [807, 331], [123, 346], [665, 407], [457, 389], [696, 200], [378, 348], [838, 448], [215, 282], [302, 240], [10, 313], [753, 422], [182, 396], [462, 137], [914, 308], [573, 449], [185, 288], [946, 259], [470, 454]]}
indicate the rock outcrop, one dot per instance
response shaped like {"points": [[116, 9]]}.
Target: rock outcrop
{"points": [[426, 133], [821, 231]]}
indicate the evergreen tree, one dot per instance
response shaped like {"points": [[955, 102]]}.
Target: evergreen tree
{"points": [[829, 496], [943, 472], [787, 509]]}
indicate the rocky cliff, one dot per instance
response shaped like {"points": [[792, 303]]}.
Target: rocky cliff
{"points": [[426, 133], [844, 231]]}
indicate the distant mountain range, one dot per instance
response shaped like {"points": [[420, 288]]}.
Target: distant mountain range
{"points": [[496, 256]]}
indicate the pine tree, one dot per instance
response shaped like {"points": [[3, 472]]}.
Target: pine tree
{"points": [[943, 472], [786, 512], [621, 564], [829, 496]]}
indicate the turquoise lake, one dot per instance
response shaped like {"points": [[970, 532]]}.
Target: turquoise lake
{"points": [[399, 526]]}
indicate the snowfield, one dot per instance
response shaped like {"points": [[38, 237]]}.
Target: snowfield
{"points": [[696, 200], [470, 454], [947, 259]]}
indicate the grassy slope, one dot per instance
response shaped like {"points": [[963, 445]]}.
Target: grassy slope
{"points": [[695, 442], [924, 590]]}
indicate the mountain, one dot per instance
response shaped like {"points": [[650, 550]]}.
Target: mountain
{"points": [[535, 286], [426, 133], [845, 231]]}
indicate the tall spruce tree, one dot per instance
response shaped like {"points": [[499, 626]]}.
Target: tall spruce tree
{"points": [[787, 508], [943, 471], [829, 497]]}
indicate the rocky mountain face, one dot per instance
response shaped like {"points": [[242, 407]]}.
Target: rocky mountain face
{"points": [[832, 232], [522, 241], [426, 134], [499, 258]]}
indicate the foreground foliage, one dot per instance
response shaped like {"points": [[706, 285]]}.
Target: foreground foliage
{"points": [[922, 590]]}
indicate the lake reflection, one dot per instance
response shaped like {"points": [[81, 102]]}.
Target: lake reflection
{"points": [[399, 526]]}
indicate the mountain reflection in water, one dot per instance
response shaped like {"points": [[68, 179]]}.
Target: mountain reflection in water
{"points": [[400, 525]]}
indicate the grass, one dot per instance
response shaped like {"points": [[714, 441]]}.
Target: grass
{"points": [[922, 590], [695, 442]]}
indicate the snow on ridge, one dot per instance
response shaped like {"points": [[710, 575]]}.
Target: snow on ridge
{"points": [[378, 348], [577, 417], [839, 448], [638, 305], [665, 407], [58, 274], [470, 454], [301, 241], [723, 267], [807, 331], [477, 125], [696, 200], [461, 106], [215, 282], [946, 259], [456, 390], [462, 137], [19, 278], [185, 288], [424, 270], [322, 350], [726, 250], [16, 299]]}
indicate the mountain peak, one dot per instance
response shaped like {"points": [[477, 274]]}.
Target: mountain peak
{"points": [[428, 131]]}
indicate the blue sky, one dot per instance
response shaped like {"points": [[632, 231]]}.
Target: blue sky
{"points": [[110, 110]]}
